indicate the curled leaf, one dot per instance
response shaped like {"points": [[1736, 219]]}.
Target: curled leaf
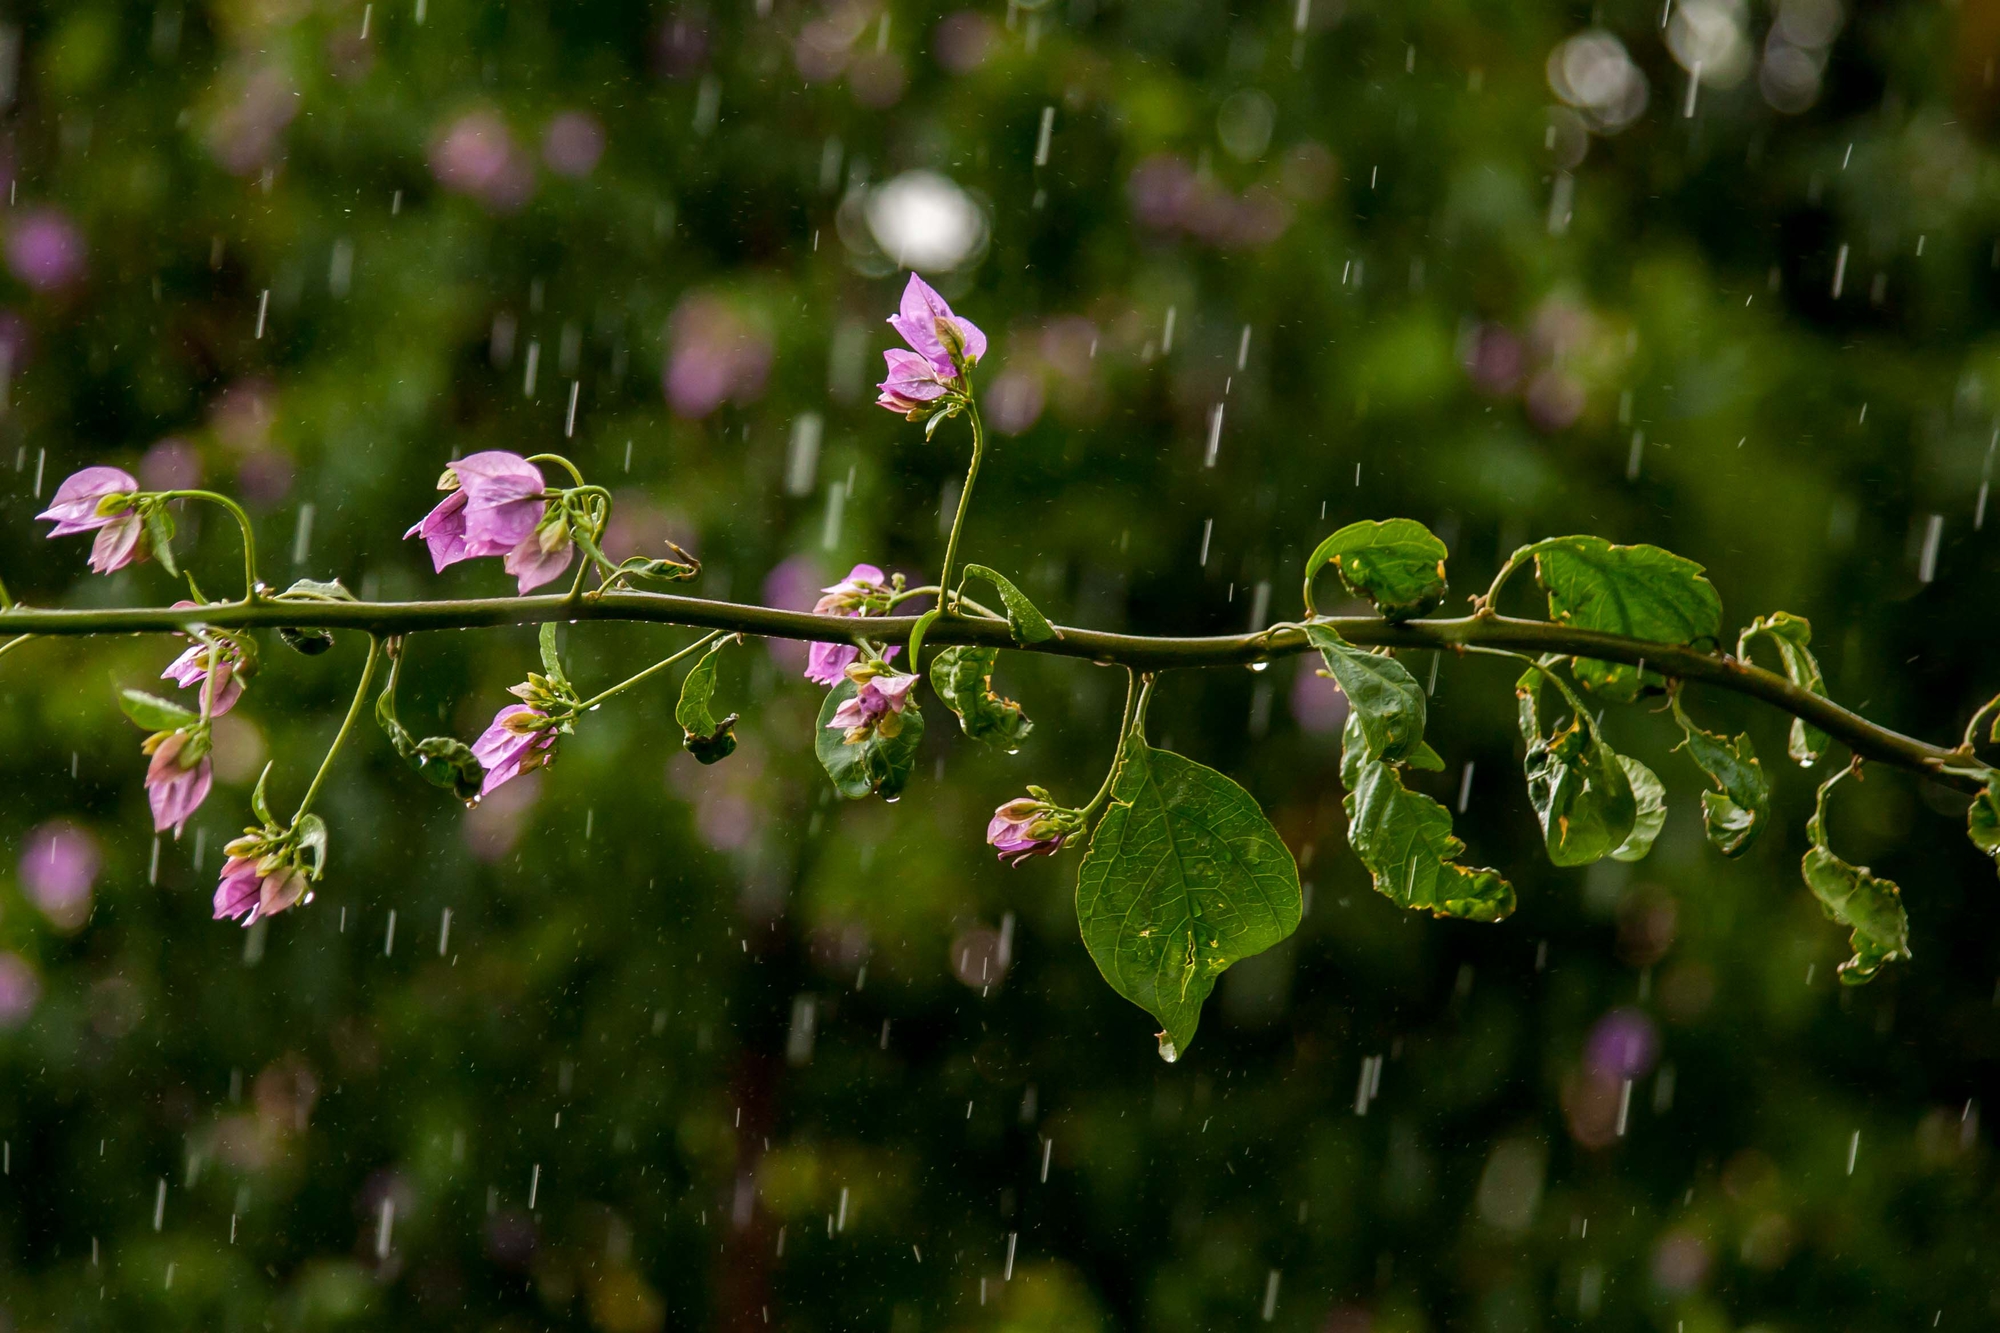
{"points": [[708, 738], [1404, 839], [314, 590], [1380, 692], [442, 761], [1640, 591], [1024, 621], [1735, 812], [1398, 564], [1982, 822], [160, 536], [963, 679], [308, 642], [1651, 799], [1852, 896], [1793, 635], [1577, 784]]}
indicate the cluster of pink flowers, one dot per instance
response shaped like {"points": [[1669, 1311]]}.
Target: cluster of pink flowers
{"points": [[476, 155], [520, 739], [1168, 195], [876, 710], [499, 504], [864, 592], [250, 888]]}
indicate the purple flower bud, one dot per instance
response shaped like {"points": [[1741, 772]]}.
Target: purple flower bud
{"points": [[1023, 828], [177, 781], [58, 869], [516, 742], [45, 250], [78, 504], [927, 324]]}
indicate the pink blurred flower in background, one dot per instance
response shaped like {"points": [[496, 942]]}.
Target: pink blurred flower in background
{"points": [[792, 585], [1493, 359], [1168, 195], [1623, 1044], [1014, 400], [58, 869], [573, 144], [1554, 400], [963, 41], [171, 465], [1318, 706], [245, 135], [716, 354], [476, 155], [20, 988], [494, 825], [45, 250], [681, 50]]}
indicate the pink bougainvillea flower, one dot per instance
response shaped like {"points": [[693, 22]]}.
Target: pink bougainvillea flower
{"points": [[237, 895], [927, 324], [877, 709], [1021, 828], [865, 589], [79, 503], [208, 662], [176, 787], [45, 250], [517, 741], [541, 555], [58, 869], [913, 383], [496, 500]]}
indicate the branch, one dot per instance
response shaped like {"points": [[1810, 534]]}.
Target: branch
{"points": [[1139, 652]]}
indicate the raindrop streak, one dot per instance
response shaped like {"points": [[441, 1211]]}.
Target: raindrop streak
{"points": [[1633, 458], [534, 1186], [802, 454], [1624, 1105], [1465, 787], [836, 499], [1042, 139], [1214, 435], [569, 423], [263, 309], [160, 1195], [1048, 1147], [1694, 86], [1243, 349], [1927, 562], [302, 537], [1839, 271], [1207, 530], [389, 939], [444, 931], [1271, 1296], [383, 1226], [1007, 1275], [153, 866], [534, 364], [1167, 334], [1853, 1151]]}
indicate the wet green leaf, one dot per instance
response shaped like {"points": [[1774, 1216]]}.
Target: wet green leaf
{"points": [[1735, 813], [1577, 783], [963, 678], [153, 713], [1404, 839], [259, 801], [1380, 692], [708, 738], [311, 831], [879, 764], [160, 535], [1982, 822], [317, 591], [307, 642], [1184, 877], [551, 658], [1872, 908], [442, 761], [1024, 621], [1639, 591], [1398, 564], [1651, 799], [1793, 635]]}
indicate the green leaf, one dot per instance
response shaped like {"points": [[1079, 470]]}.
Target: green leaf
{"points": [[1404, 839], [311, 832], [1651, 798], [1735, 813], [442, 761], [1380, 692], [1851, 896], [1397, 564], [308, 642], [1184, 877], [878, 765], [707, 738], [1024, 622], [1982, 822], [160, 535], [1576, 782], [918, 630], [259, 802], [551, 659], [963, 678], [1642, 592], [1793, 635], [317, 591], [153, 713]]}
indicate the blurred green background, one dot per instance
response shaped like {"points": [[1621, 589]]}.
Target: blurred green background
{"points": [[706, 1048]]}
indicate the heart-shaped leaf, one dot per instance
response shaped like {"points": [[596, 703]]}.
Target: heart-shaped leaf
{"points": [[1642, 592], [1380, 692], [1184, 877], [708, 738], [1398, 564], [963, 678]]}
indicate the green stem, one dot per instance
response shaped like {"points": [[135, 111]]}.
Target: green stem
{"points": [[1118, 751], [958, 599], [1486, 603], [243, 523], [658, 666], [560, 461], [964, 502], [346, 725], [14, 643]]}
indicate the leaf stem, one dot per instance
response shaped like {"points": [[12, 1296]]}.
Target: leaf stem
{"points": [[346, 725], [1118, 751], [660, 665], [560, 461], [949, 601]]}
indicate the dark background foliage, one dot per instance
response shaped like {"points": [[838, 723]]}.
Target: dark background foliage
{"points": [[705, 1047]]}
